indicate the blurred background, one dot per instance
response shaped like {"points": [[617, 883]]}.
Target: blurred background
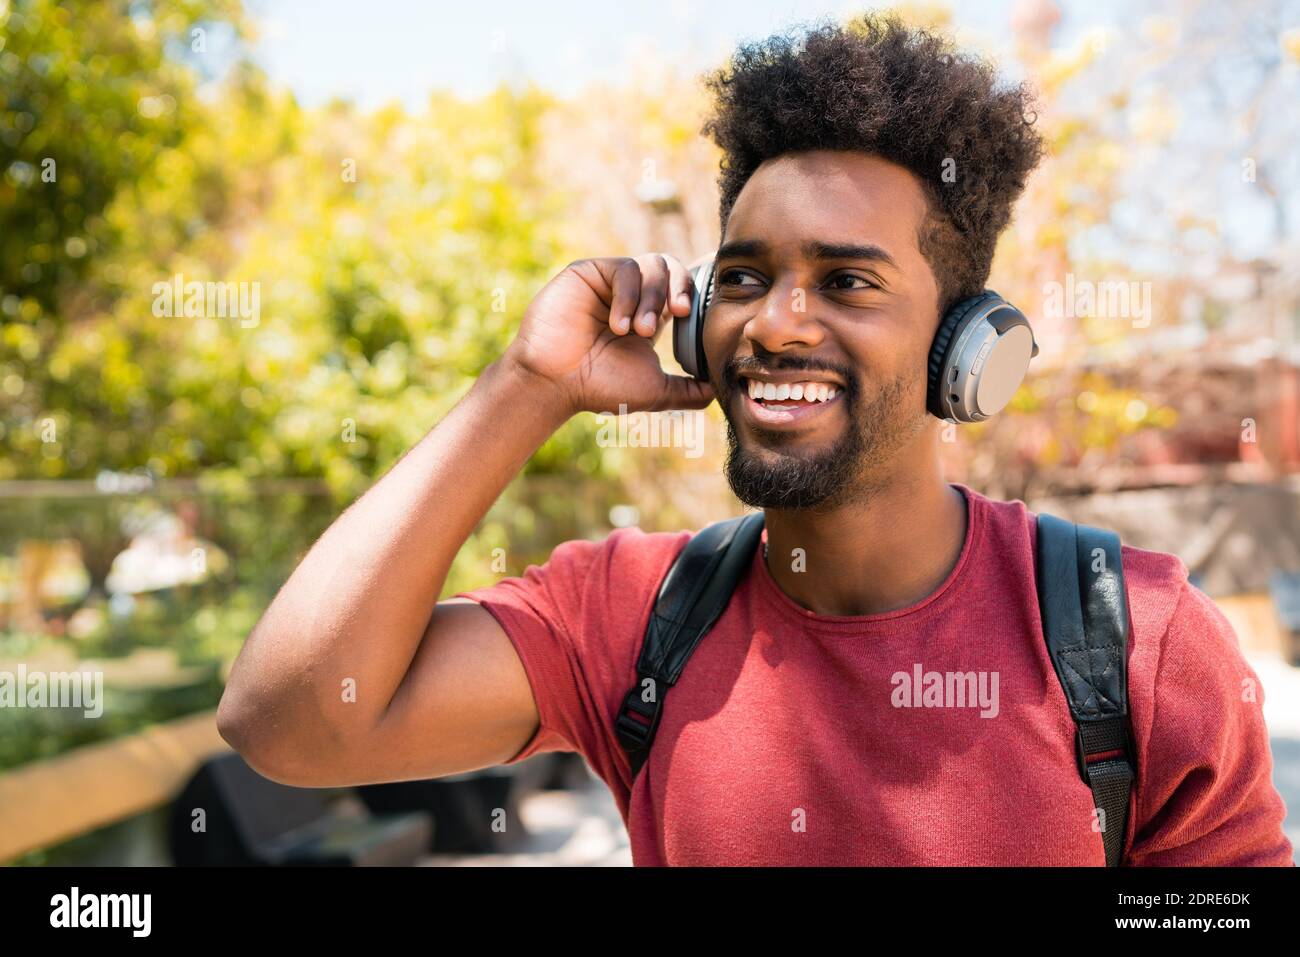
{"points": [[375, 194]]}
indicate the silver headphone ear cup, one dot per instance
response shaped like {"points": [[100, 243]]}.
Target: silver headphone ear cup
{"points": [[999, 373], [982, 359]]}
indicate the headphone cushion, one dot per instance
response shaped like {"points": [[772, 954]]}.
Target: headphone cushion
{"points": [[706, 299], [953, 321], [940, 347]]}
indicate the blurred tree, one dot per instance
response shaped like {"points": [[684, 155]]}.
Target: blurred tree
{"points": [[89, 100], [97, 101], [391, 256]]}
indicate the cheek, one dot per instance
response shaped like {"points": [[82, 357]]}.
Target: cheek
{"points": [[887, 358], [721, 342], [879, 350], [717, 334]]}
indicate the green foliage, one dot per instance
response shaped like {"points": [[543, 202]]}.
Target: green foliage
{"points": [[30, 734], [90, 100], [391, 255]]}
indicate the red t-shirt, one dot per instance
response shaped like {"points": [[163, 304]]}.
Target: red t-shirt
{"points": [[783, 743]]}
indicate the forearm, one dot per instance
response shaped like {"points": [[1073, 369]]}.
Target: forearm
{"points": [[358, 604]]}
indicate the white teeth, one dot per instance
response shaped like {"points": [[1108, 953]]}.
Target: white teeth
{"points": [[799, 391]]}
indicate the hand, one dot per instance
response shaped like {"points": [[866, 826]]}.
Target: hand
{"points": [[591, 332]]}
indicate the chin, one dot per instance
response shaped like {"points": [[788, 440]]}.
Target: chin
{"points": [[774, 448], [790, 478]]}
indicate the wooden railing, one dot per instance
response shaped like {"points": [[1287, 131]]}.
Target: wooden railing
{"points": [[46, 802]]}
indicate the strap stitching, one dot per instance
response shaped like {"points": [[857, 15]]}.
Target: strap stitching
{"points": [[1084, 676]]}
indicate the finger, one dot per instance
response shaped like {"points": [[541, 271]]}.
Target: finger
{"points": [[625, 295], [680, 286], [683, 392], [654, 294]]}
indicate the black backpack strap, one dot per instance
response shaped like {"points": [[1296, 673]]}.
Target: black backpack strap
{"points": [[1085, 622], [692, 597]]}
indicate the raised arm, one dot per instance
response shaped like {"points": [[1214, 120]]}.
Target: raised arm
{"points": [[356, 673]]}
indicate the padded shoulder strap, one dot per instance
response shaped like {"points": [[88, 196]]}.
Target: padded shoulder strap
{"points": [[1085, 623], [692, 597]]}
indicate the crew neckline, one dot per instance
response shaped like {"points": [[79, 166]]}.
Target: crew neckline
{"points": [[788, 608]]}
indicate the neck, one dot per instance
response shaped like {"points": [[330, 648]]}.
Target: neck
{"points": [[866, 558]]}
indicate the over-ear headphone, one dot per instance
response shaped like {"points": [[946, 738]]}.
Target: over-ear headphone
{"points": [[978, 359]]}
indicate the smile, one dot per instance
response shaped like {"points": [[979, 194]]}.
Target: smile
{"points": [[771, 404]]}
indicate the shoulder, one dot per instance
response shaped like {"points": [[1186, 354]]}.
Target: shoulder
{"points": [[1159, 591], [1156, 582], [581, 578], [599, 587], [623, 558]]}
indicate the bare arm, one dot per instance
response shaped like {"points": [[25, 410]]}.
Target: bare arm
{"points": [[356, 673]]}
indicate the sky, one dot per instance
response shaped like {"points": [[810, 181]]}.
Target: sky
{"points": [[381, 50]]}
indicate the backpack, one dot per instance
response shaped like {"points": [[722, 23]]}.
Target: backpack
{"points": [[1084, 608]]}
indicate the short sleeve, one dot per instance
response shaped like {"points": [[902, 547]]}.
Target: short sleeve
{"points": [[1206, 795], [576, 623]]}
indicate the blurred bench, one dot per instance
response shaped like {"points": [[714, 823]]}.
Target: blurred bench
{"points": [[477, 812], [47, 802], [229, 815]]}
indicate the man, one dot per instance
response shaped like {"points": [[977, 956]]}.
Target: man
{"points": [[786, 741]]}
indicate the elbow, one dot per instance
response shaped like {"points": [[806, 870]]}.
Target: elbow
{"points": [[251, 720], [260, 735], [238, 724], [250, 733], [233, 722]]}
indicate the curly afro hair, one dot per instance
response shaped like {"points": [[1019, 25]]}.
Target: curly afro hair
{"points": [[875, 85]]}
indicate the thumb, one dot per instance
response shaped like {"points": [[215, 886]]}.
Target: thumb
{"points": [[683, 392]]}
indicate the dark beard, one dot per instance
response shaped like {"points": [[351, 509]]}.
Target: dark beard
{"points": [[847, 471]]}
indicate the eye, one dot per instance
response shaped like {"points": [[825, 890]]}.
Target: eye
{"points": [[733, 277], [839, 279]]}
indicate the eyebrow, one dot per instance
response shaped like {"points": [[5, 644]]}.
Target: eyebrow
{"points": [[814, 249]]}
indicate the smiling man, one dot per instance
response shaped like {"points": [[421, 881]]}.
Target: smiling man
{"points": [[877, 689]]}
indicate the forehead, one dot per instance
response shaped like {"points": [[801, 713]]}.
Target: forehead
{"points": [[832, 196]]}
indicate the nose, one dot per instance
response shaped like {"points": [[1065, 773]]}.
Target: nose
{"points": [[783, 321]]}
